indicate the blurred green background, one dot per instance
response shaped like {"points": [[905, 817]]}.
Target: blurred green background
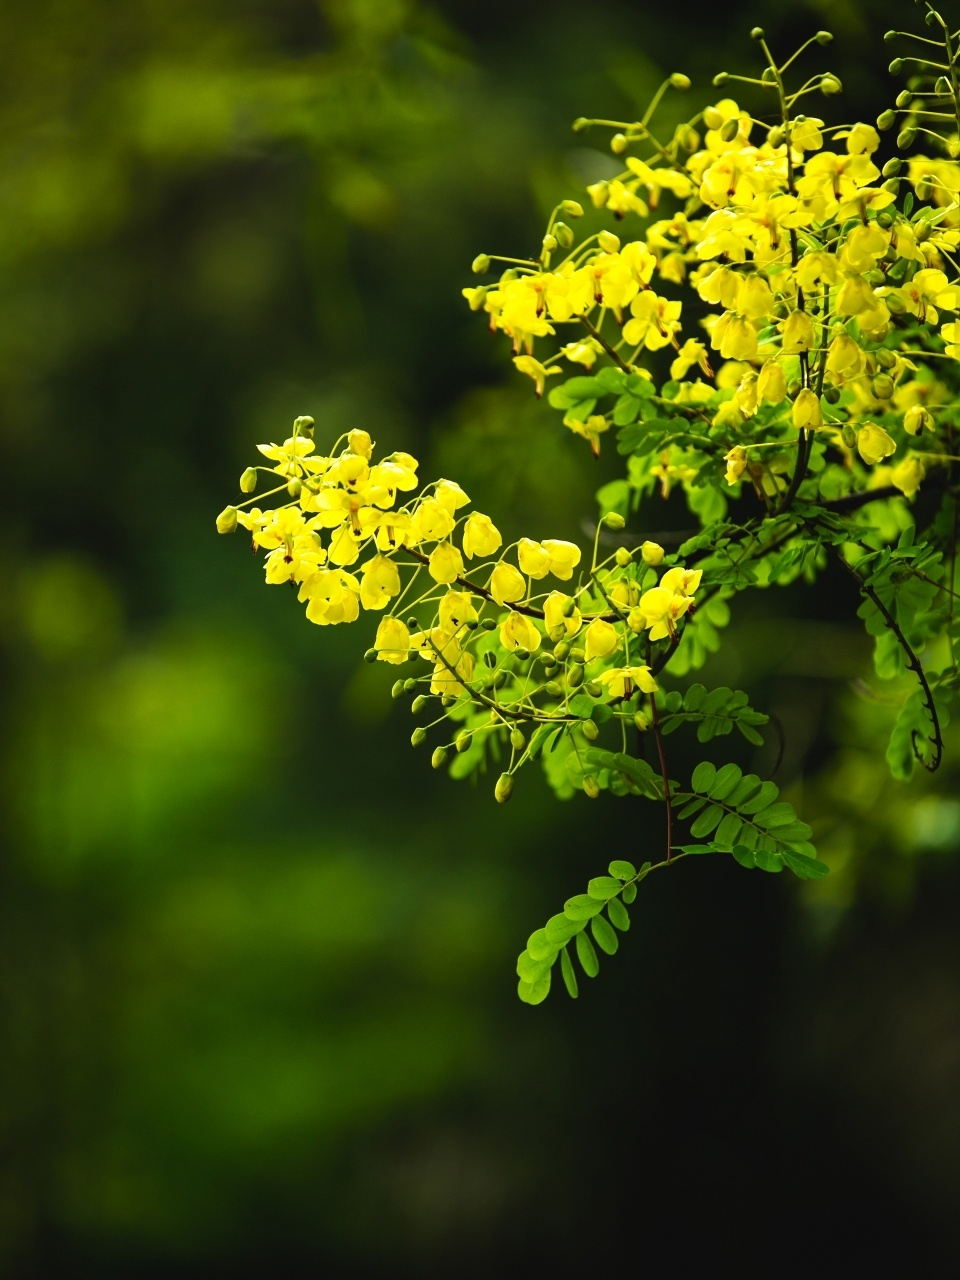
{"points": [[257, 999]]}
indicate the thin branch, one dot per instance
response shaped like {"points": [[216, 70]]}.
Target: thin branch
{"points": [[663, 773]]}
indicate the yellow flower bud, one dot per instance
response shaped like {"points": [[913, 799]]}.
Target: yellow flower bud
{"points": [[572, 208], [359, 442], [736, 461], [518, 632], [504, 788], [652, 553], [534, 559], [907, 476], [799, 333], [392, 642], [248, 481], [608, 242], [591, 787], [480, 536]]}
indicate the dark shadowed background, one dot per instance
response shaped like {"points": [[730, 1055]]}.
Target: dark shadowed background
{"points": [[257, 1007]]}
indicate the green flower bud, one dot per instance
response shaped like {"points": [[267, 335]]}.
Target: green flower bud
{"points": [[578, 126], [904, 98], [768, 75], [893, 186], [848, 435], [397, 690], [480, 264], [905, 137], [488, 624], [504, 788], [248, 481], [886, 120], [720, 79], [652, 554], [303, 426], [641, 722], [511, 273], [591, 731], [517, 740], [439, 758], [227, 520], [885, 359], [892, 167], [895, 304], [619, 143], [896, 66], [294, 487], [832, 395], [679, 81], [490, 658], [462, 740], [572, 208], [882, 386], [594, 688], [561, 650], [553, 688], [409, 685], [823, 37], [890, 36], [942, 86], [613, 520], [591, 786], [756, 33], [577, 655], [830, 85], [549, 243], [623, 557], [547, 660], [729, 129], [370, 655], [575, 677], [521, 653], [419, 702], [419, 735], [563, 235], [775, 137]]}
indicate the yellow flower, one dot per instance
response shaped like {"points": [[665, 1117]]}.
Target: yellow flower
{"points": [[771, 383], [874, 444], [619, 682], [564, 557], [518, 632], [734, 337], [534, 559], [446, 563], [590, 430], [736, 461], [292, 457], [907, 475], [359, 442], [917, 419], [692, 352], [659, 609], [344, 547], [799, 333], [392, 641], [449, 494], [431, 522], [379, 583], [746, 396], [655, 321], [600, 639], [456, 610], [332, 597], [806, 410], [535, 370], [559, 617], [480, 536], [507, 584], [950, 333], [844, 359], [683, 581], [756, 299]]}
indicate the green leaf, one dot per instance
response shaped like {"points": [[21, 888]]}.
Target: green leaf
{"points": [[706, 822], [725, 781], [805, 867], [604, 936], [619, 915], [744, 856], [765, 795], [569, 977], [581, 705], [535, 992], [777, 815], [728, 830], [622, 870], [629, 893], [699, 848], [693, 807], [582, 907], [587, 956], [703, 776], [540, 946], [560, 929], [603, 887], [531, 970], [767, 860]]}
